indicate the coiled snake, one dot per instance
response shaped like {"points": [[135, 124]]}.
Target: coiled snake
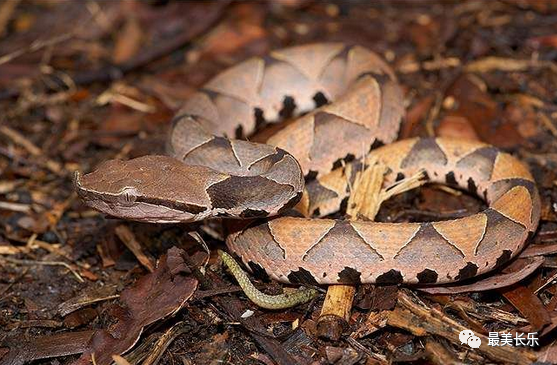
{"points": [[206, 175]]}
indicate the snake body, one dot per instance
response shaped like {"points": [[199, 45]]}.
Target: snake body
{"points": [[206, 174]]}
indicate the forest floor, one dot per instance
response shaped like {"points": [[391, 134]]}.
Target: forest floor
{"points": [[84, 82]]}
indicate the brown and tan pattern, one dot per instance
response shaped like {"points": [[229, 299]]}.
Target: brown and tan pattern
{"points": [[329, 252], [206, 174]]}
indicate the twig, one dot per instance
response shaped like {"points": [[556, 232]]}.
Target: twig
{"points": [[416, 317], [546, 284], [489, 64], [44, 263], [547, 123], [354, 343], [15, 207], [35, 151], [164, 341], [35, 46], [128, 238]]}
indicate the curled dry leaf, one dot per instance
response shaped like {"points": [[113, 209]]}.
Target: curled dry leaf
{"points": [[154, 296], [491, 282], [539, 250]]}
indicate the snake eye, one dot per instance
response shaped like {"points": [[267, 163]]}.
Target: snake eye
{"points": [[127, 196]]}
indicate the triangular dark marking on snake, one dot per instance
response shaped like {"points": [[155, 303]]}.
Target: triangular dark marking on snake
{"points": [[259, 117], [342, 240], [450, 178], [239, 132], [425, 151], [472, 187], [343, 160], [343, 205], [216, 154], [318, 193], [268, 160], [500, 230], [253, 213], [246, 192], [481, 161], [292, 202], [310, 176], [426, 247], [329, 127], [376, 144]]}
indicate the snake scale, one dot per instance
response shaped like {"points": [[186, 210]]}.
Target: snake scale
{"points": [[350, 105]]}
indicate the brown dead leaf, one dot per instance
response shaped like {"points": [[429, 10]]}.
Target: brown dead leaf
{"points": [[416, 115], [128, 41], [377, 297], [120, 120], [80, 317], [453, 126], [49, 346], [415, 316], [524, 118], [491, 282], [528, 304], [539, 250], [475, 104], [153, 297], [245, 29]]}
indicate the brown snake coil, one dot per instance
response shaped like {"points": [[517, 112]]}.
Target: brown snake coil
{"points": [[205, 175]]}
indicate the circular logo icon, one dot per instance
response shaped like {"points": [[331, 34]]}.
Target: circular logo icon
{"points": [[474, 342], [464, 335]]}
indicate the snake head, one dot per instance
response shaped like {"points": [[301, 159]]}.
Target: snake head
{"points": [[156, 189]]}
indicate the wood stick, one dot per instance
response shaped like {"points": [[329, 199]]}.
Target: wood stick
{"points": [[335, 313]]}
